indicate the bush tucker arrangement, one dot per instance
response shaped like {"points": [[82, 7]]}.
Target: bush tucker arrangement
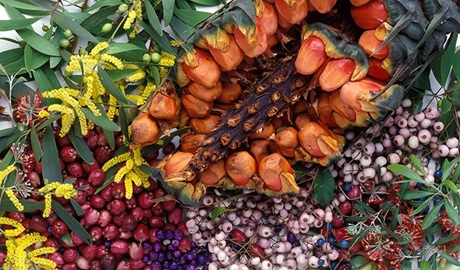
{"points": [[267, 135]]}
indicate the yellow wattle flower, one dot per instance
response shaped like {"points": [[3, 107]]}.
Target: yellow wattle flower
{"points": [[99, 48], [6, 172], [65, 190], [116, 160], [18, 227], [47, 210], [14, 199]]}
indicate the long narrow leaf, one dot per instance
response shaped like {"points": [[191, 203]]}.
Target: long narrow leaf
{"points": [[453, 214], [81, 147], [111, 87], [71, 222], [153, 18], [66, 23], [51, 169], [35, 143], [16, 24], [38, 42], [168, 10], [431, 216], [101, 121], [406, 172]]}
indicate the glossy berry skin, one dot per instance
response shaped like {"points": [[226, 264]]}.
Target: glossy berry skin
{"points": [[438, 174], [344, 244], [320, 242], [346, 186]]}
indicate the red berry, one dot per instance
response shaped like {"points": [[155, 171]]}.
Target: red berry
{"points": [[354, 193], [88, 168], [104, 218], [89, 252], [175, 216], [119, 247], [97, 201], [257, 251], [70, 255], [141, 233], [145, 200], [59, 228], [68, 154], [238, 236], [96, 233], [337, 221], [75, 169], [346, 208], [110, 232], [129, 223], [116, 207], [118, 190], [184, 245], [38, 224], [136, 251]]}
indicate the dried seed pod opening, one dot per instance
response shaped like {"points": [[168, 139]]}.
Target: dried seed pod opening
{"points": [[163, 107], [336, 73], [231, 92], [323, 6], [287, 141], [292, 11], [369, 15], [230, 58], [177, 163], [271, 169], [311, 56], [369, 42], [204, 125], [252, 49], [145, 130], [191, 142], [214, 173], [203, 70], [204, 93], [196, 107]]}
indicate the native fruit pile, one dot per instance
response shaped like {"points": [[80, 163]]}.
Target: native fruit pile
{"points": [[266, 84]]}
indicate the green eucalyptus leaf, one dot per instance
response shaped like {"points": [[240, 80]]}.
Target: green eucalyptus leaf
{"points": [[153, 18], [425, 265], [416, 194], [406, 172], [81, 147], [71, 222], [453, 214], [161, 40], [28, 58], [5, 132], [29, 205], [448, 167], [16, 24], [78, 210], [191, 17], [38, 42], [46, 79], [111, 87], [445, 239], [100, 121], [422, 206], [110, 137], [95, 21], [116, 75], [35, 143], [217, 212], [24, 6], [431, 216], [115, 48], [168, 10], [450, 259], [442, 65], [65, 22], [450, 185], [323, 187], [207, 2], [417, 163], [51, 168], [104, 3]]}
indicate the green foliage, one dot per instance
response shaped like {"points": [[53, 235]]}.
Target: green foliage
{"points": [[323, 187]]}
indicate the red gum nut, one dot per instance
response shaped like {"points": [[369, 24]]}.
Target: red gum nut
{"points": [[311, 56], [204, 70], [336, 73], [271, 168], [377, 71], [269, 20], [230, 59], [369, 42], [252, 46], [240, 166], [370, 15], [292, 11]]}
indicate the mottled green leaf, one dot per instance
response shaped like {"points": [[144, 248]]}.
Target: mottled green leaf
{"points": [[450, 259], [29, 205], [323, 187], [38, 42], [168, 10], [16, 24], [111, 87], [153, 18], [81, 147], [431, 216], [424, 265], [71, 222], [51, 169], [67, 23], [191, 17], [95, 21], [115, 48], [447, 167]]}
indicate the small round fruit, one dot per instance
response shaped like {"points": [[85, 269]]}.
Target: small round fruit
{"points": [[157, 49], [156, 57], [68, 33], [123, 8], [146, 58], [82, 51], [64, 43], [106, 28], [45, 28]]}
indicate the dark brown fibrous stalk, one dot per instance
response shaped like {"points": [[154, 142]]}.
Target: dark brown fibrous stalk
{"points": [[271, 97]]}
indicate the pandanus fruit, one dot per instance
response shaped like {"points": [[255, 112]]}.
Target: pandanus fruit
{"points": [[266, 84]]}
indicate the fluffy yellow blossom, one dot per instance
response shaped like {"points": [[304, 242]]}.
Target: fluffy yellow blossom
{"points": [[112, 110], [47, 210], [137, 76], [6, 172], [18, 227], [14, 199], [166, 62], [130, 173], [130, 19], [65, 190], [44, 114], [18, 258], [60, 190], [139, 100]]}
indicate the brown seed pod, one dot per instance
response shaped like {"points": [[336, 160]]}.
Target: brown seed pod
{"points": [[176, 163], [318, 140], [231, 92], [240, 167], [145, 130], [271, 169], [196, 107], [260, 149], [204, 125], [214, 172], [201, 68], [263, 132], [287, 141], [204, 93], [302, 119], [191, 142], [163, 107]]}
